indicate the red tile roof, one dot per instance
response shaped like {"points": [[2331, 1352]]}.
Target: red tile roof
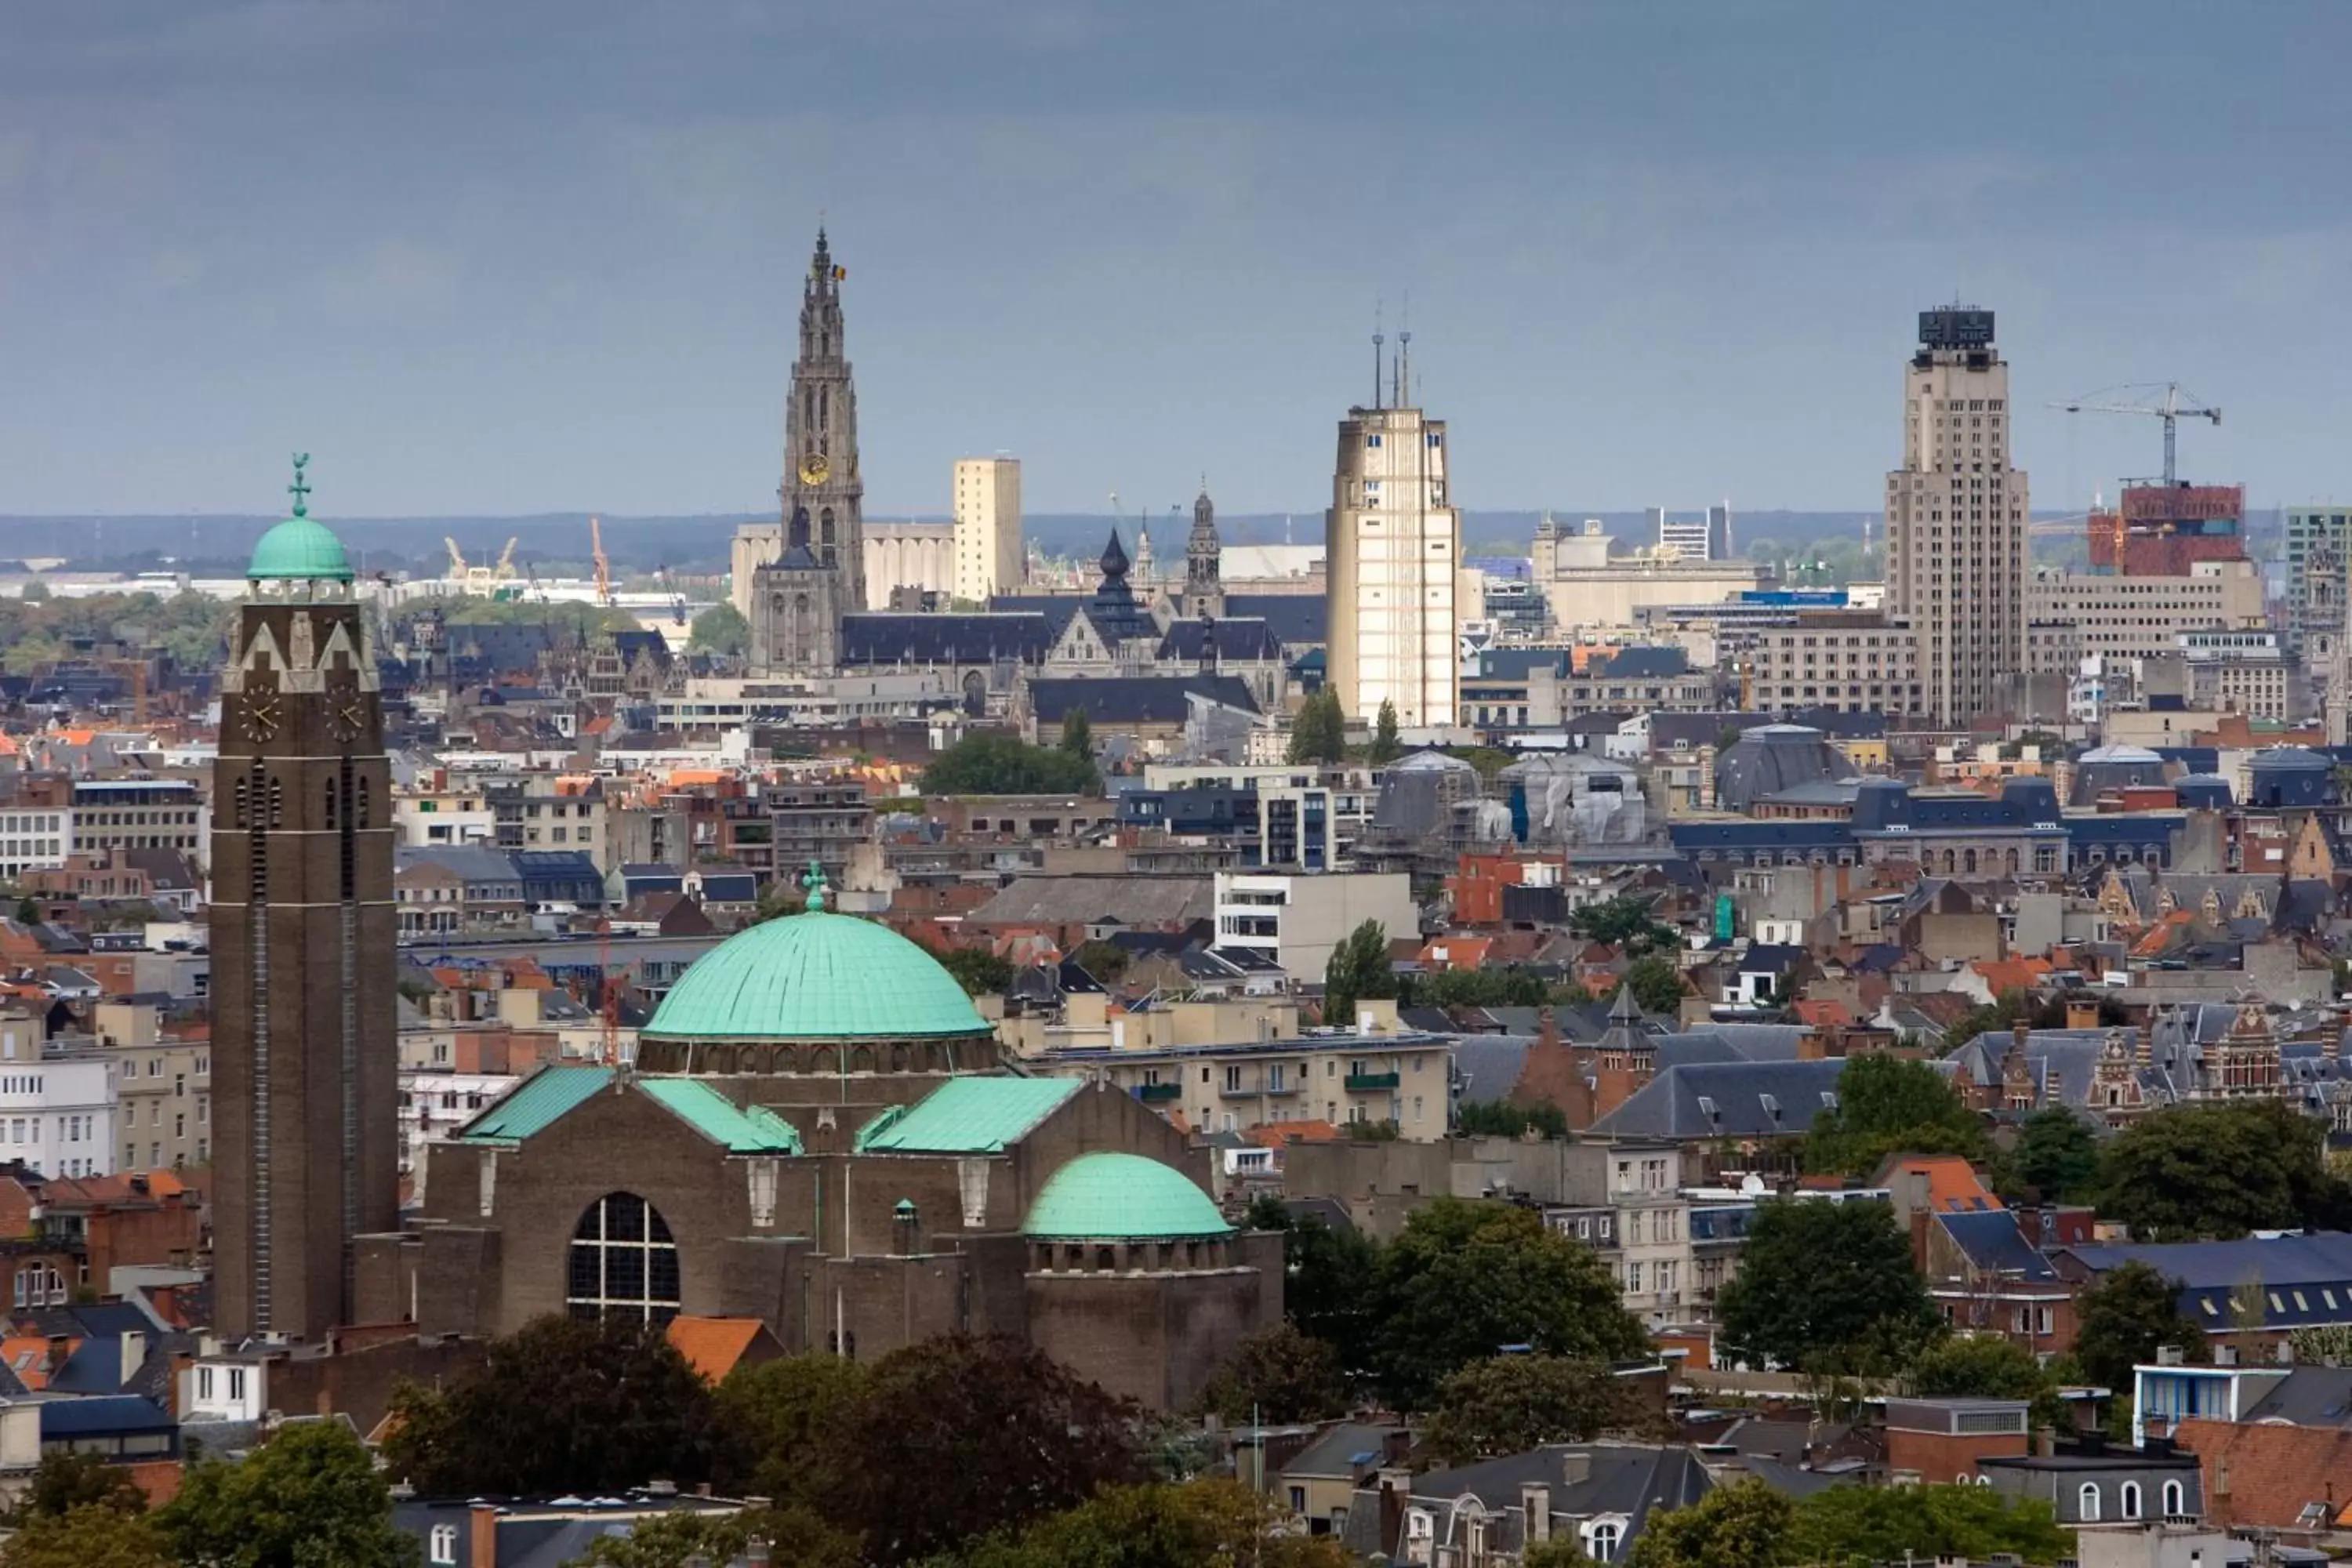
{"points": [[713, 1345], [2263, 1475]]}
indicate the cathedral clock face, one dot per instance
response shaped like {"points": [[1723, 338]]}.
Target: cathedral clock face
{"points": [[261, 718], [813, 468], [346, 715]]}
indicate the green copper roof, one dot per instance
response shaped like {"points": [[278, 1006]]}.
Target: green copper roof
{"points": [[966, 1116], [815, 976], [299, 548], [752, 1131], [537, 1103], [1106, 1196]]}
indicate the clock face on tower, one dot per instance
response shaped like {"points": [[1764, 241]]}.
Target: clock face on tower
{"points": [[346, 715], [261, 717], [813, 468]]}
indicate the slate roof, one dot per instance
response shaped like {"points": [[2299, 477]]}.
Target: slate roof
{"points": [[1628, 1478], [1343, 1450], [1296, 618], [1241, 641], [2305, 1279], [967, 1116], [1087, 901], [102, 1416], [2307, 1395], [876, 640], [1487, 1067], [1647, 663], [1756, 1099], [469, 862], [1135, 699], [1993, 1244]]}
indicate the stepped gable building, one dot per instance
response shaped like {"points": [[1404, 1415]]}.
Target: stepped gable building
{"points": [[813, 570], [816, 1132], [303, 934]]}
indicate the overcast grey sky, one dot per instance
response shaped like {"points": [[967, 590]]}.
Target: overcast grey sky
{"points": [[509, 256]]}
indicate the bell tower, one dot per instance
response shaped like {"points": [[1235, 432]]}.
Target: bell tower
{"points": [[797, 622], [1205, 590], [303, 935]]}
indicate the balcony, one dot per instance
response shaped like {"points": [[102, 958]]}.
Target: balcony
{"points": [[1371, 1082], [1156, 1094]]}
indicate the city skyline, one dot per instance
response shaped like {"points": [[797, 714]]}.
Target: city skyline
{"points": [[516, 263]]}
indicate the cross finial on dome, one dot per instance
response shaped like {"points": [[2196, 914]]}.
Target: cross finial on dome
{"points": [[814, 881], [301, 489]]}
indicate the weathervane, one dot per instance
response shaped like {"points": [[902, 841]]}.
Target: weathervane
{"points": [[300, 489]]}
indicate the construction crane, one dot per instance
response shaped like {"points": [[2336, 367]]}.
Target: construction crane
{"points": [[2175, 405], [478, 575], [603, 567], [676, 599]]}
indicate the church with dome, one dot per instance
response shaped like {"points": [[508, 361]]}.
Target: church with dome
{"points": [[817, 1131]]}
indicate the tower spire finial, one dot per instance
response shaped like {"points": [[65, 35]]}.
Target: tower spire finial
{"points": [[301, 489], [814, 881]]}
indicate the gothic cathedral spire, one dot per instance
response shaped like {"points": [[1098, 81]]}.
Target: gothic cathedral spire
{"points": [[820, 575]]}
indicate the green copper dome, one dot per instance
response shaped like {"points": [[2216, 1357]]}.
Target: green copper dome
{"points": [[1124, 1197], [815, 976], [299, 548]]}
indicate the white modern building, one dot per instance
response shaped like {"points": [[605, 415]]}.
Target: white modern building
{"points": [[1393, 546], [988, 557], [33, 839], [57, 1116], [1955, 516], [1297, 920]]}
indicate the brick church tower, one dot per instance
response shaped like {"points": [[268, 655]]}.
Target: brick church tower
{"points": [[303, 935]]}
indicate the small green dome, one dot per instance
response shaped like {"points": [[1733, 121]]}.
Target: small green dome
{"points": [[1122, 1197], [299, 548], [815, 976]]}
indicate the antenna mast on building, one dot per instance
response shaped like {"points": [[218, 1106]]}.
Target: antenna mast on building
{"points": [[1377, 341], [1401, 387]]}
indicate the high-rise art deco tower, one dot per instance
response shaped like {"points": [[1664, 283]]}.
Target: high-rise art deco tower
{"points": [[303, 934]]}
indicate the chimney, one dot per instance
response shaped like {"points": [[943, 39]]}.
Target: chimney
{"points": [[482, 1536], [134, 1353], [1547, 1026], [2331, 1046], [1535, 1511], [2017, 1032], [2081, 1015], [2146, 1059]]}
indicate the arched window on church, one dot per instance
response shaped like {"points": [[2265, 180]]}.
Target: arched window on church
{"points": [[824, 526], [825, 409], [623, 1263]]}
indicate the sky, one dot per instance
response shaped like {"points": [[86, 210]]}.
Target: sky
{"points": [[544, 255]]}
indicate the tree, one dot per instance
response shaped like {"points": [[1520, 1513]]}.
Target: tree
{"points": [[673, 1540], [89, 1535], [775, 1416], [559, 1406], [1329, 1276], [1508, 1405], [980, 972], [956, 1438], [720, 629], [1358, 970], [34, 592], [1512, 985], [1386, 746], [1105, 961], [1194, 1524], [1657, 983], [1891, 1524], [2191, 1173], [1560, 1552], [1743, 1526], [2122, 1320], [63, 1482], [310, 1494], [1465, 1278], [1826, 1285], [1078, 735], [1886, 1104], [2056, 1155], [1507, 1119], [1625, 922], [1985, 1366], [1319, 733], [999, 765], [1280, 1374]]}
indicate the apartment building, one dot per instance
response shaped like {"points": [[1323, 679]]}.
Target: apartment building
{"points": [[140, 814], [1399, 1077], [2139, 617], [1850, 661], [1296, 919]]}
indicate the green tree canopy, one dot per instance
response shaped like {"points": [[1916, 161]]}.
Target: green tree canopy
{"points": [[1329, 1279], [1318, 731], [559, 1406], [1890, 1525], [2199, 1173], [64, 1481], [1358, 970], [1657, 982], [1510, 985], [1103, 959], [1466, 1278], [1078, 735], [2057, 1155], [1826, 1286], [1886, 1104], [1386, 746], [1985, 1366], [1508, 1119], [720, 629], [1280, 1374], [1745, 1525], [1508, 1405], [956, 1438], [775, 1416], [980, 972], [674, 1540], [88, 1536], [2122, 1320], [1627, 921], [1000, 765], [310, 1495]]}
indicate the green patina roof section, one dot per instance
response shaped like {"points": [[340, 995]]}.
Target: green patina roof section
{"points": [[1109, 1195], [967, 1116], [815, 976], [752, 1131], [299, 548], [537, 1103]]}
